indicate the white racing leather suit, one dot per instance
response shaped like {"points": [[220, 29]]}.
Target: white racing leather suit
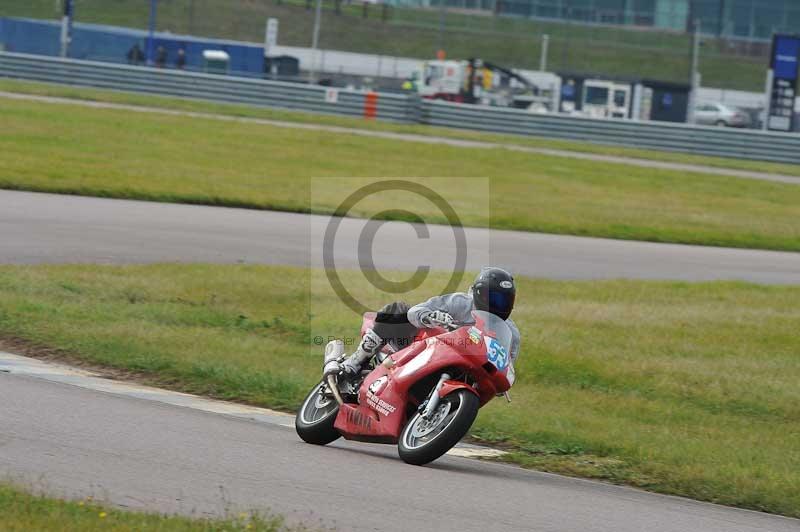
{"points": [[460, 306], [396, 325]]}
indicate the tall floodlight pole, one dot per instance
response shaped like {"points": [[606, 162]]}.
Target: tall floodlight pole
{"points": [[66, 26], [543, 57], [312, 73], [152, 33], [191, 17], [442, 15], [694, 71]]}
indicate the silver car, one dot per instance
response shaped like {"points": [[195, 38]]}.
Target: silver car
{"points": [[717, 114]]}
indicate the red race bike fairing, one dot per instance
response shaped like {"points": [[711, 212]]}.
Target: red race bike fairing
{"points": [[476, 358]]}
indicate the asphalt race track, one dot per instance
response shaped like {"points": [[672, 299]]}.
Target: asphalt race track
{"points": [[48, 228], [141, 454]]}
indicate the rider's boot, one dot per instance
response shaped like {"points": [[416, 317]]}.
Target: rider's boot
{"points": [[370, 344]]}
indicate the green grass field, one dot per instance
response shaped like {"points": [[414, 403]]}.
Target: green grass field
{"points": [[510, 41], [23, 512], [679, 388], [245, 111], [118, 153]]}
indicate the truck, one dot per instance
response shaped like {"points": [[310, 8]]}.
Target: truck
{"points": [[475, 81]]}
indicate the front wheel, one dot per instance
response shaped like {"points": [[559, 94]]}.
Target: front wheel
{"points": [[314, 421], [425, 440]]}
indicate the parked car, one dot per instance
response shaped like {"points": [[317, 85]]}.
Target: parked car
{"points": [[717, 114]]}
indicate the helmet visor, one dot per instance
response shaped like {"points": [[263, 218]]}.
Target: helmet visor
{"points": [[501, 303]]}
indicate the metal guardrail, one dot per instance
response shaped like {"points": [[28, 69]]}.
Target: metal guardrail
{"points": [[212, 87], [700, 140], [724, 142]]}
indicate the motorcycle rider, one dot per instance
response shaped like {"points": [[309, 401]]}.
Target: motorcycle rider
{"points": [[396, 324]]}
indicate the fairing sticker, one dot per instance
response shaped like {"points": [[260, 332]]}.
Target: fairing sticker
{"points": [[496, 353]]}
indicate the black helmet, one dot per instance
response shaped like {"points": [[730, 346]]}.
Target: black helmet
{"points": [[494, 291]]}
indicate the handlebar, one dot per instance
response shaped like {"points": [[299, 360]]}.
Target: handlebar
{"points": [[449, 327]]}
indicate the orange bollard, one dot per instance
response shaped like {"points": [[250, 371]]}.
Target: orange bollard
{"points": [[371, 105]]}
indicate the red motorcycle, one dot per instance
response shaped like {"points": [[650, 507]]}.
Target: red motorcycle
{"points": [[424, 397]]}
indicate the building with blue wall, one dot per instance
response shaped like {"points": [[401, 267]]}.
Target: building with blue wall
{"points": [[111, 44]]}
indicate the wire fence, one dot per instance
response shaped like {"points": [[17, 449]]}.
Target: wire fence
{"points": [[632, 38]]}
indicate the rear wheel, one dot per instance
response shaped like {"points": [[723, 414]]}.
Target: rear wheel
{"points": [[314, 421], [425, 440]]}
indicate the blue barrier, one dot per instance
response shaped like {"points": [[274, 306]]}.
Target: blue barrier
{"points": [[112, 44], [248, 60], [19, 35]]}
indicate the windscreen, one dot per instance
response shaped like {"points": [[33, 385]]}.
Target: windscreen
{"points": [[496, 336]]}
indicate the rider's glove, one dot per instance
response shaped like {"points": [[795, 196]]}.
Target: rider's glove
{"points": [[438, 318]]}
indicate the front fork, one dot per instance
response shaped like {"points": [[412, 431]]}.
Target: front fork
{"points": [[427, 408], [433, 400]]}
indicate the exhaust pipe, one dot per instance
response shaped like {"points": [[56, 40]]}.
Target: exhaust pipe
{"points": [[335, 389], [334, 351]]}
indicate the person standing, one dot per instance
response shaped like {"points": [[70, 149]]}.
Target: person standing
{"points": [[180, 61], [135, 55], [161, 57]]}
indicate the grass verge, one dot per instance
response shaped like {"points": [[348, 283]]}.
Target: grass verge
{"points": [[24, 512], [186, 104], [118, 153], [688, 389]]}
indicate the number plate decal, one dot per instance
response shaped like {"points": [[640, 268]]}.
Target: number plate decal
{"points": [[496, 353]]}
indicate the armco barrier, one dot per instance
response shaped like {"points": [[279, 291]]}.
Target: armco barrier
{"points": [[724, 142], [399, 108]]}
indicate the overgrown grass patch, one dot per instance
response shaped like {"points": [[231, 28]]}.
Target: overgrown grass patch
{"points": [[680, 388], [117, 153]]}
